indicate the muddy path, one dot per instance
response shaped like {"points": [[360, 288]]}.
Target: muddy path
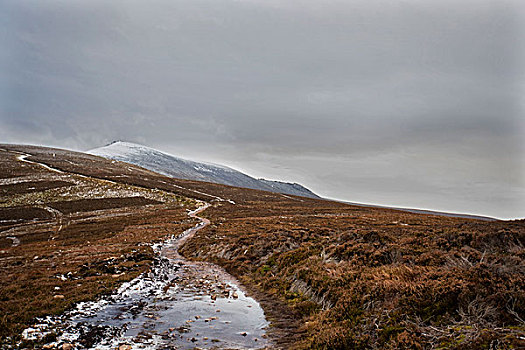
{"points": [[178, 304]]}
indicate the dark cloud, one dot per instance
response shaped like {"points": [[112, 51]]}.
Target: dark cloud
{"points": [[397, 102]]}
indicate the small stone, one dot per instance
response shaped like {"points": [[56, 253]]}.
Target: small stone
{"points": [[197, 317], [214, 297], [58, 296], [124, 347], [205, 338], [218, 311], [244, 334], [67, 346], [235, 295], [48, 346]]}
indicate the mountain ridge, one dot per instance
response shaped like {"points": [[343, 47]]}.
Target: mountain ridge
{"points": [[178, 167]]}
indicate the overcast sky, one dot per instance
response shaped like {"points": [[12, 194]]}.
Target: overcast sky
{"points": [[407, 103]]}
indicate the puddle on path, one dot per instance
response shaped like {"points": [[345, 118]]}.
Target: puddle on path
{"points": [[179, 304]]}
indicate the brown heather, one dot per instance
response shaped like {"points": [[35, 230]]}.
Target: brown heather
{"points": [[329, 275]]}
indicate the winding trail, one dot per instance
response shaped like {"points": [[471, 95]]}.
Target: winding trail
{"points": [[21, 229], [22, 157], [178, 304]]}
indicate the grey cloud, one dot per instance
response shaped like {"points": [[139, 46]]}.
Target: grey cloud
{"points": [[316, 91]]}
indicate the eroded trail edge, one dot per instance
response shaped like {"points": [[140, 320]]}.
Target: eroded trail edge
{"points": [[179, 304]]}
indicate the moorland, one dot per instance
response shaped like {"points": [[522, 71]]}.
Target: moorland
{"points": [[329, 275]]}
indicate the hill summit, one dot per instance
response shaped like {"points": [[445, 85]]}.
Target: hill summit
{"points": [[181, 168]]}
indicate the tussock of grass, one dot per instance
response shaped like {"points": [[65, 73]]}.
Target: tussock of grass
{"points": [[356, 278], [78, 238], [350, 277]]}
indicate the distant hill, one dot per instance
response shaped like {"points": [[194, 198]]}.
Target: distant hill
{"points": [[289, 188], [176, 167]]}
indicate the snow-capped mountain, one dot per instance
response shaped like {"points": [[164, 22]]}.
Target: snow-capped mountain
{"points": [[172, 166]]}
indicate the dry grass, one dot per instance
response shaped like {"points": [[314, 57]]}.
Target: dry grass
{"points": [[62, 242], [376, 278], [329, 275]]}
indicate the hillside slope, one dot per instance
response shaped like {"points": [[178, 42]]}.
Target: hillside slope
{"points": [[176, 167], [329, 275]]}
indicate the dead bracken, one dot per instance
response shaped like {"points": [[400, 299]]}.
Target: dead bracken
{"points": [[329, 275]]}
